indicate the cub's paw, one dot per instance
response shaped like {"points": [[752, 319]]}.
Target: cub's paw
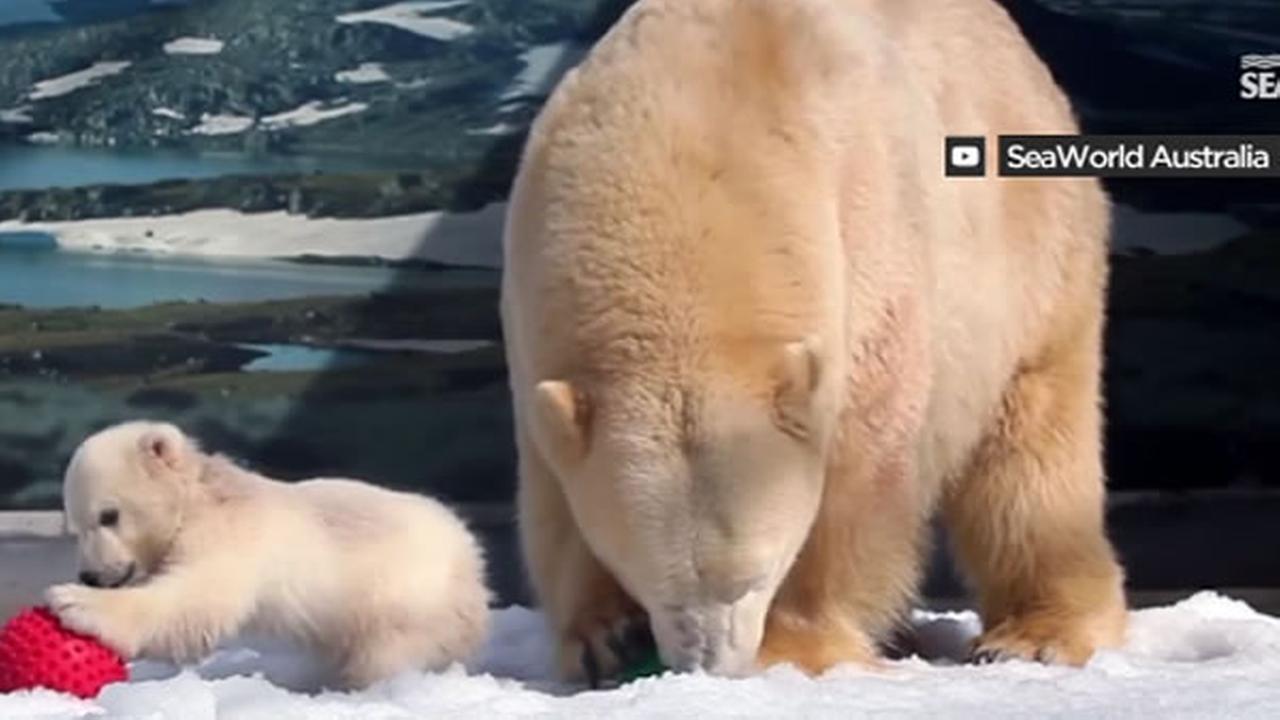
{"points": [[1053, 640], [598, 653], [95, 612]]}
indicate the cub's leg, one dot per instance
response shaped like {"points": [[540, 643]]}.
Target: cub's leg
{"points": [[408, 633], [181, 615], [598, 626], [1027, 519], [380, 657], [390, 650]]}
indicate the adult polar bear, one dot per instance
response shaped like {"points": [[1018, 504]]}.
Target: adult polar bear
{"points": [[756, 338]]}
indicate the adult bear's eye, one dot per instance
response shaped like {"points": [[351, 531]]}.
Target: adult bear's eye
{"points": [[109, 517]]}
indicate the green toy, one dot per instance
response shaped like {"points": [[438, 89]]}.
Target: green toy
{"points": [[647, 665]]}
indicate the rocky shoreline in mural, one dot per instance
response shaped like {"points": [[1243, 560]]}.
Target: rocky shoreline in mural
{"points": [[393, 370], [344, 195], [429, 239], [341, 385]]}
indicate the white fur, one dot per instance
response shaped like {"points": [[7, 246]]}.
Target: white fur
{"points": [[756, 338], [377, 582]]}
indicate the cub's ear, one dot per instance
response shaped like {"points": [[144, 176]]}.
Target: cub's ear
{"points": [[562, 416], [798, 374], [166, 450]]}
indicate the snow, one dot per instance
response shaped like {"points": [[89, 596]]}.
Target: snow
{"points": [[194, 46], [65, 84], [416, 17], [498, 129], [16, 116], [221, 125], [454, 238], [365, 73], [543, 67], [1207, 656], [311, 113], [168, 113]]}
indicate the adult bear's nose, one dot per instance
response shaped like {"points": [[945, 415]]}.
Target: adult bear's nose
{"points": [[90, 579], [730, 589]]}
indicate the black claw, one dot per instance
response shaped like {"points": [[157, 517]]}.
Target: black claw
{"points": [[622, 649], [591, 667], [986, 656], [634, 644], [640, 638]]}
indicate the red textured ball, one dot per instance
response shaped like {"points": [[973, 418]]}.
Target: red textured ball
{"points": [[36, 651]]}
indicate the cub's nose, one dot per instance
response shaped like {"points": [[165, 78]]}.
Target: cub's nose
{"points": [[90, 579]]}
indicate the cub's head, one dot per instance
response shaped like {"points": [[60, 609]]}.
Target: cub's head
{"points": [[124, 495], [696, 488]]}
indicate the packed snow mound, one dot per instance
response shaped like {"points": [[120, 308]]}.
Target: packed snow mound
{"points": [[311, 113], [544, 65], [221, 125], [66, 84], [194, 46], [363, 74], [1208, 656], [416, 16]]}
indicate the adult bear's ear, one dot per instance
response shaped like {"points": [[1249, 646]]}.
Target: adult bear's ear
{"points": [[166, 450], [798, 374], [563, 416]]}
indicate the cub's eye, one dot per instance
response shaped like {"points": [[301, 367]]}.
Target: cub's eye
{"points": [[109, 517]]}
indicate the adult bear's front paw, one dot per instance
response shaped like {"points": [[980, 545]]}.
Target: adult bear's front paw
{"points": [[1049, 638], [597, 653]]}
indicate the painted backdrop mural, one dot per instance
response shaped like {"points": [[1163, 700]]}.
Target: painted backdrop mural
{"points": [[276, 222], [273, 222]]}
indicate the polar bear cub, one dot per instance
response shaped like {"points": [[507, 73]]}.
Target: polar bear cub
{"points": [[180, 550]]}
